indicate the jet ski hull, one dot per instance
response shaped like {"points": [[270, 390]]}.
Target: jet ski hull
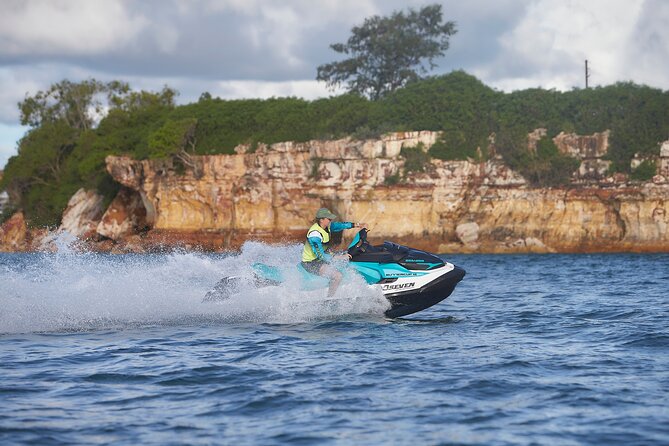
{"points": [[404, 303]]}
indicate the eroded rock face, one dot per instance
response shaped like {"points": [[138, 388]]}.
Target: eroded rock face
{"points": [[664, 160], [14, 234], [272, 192], [583, 147], [590, 150], [83, 213], [125, 215], [468, 233], [462, 206]]}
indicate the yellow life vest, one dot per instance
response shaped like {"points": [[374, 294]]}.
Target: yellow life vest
{"points": [[308, 254]]}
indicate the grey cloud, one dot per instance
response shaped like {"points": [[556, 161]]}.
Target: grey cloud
{"points": [[647, 54], [218, 45], [193, 47]]}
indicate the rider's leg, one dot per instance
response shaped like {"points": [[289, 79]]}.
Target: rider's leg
{"points": [[334, 276]]}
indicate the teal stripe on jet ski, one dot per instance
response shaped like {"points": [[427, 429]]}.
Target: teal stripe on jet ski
{"points": [[374, 272]]}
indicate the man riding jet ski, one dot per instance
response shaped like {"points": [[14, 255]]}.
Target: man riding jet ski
{"points": [[411, 280], [315, 257]]}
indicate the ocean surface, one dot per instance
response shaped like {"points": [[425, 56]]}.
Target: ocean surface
{"points": [[529, 350]]}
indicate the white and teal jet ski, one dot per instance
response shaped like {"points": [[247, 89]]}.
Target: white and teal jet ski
{"points": [[410, 279]]}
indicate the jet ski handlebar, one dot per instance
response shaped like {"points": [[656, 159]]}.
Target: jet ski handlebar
{"points": [[359, 243]]}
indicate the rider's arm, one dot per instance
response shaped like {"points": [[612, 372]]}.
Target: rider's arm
{"points": [[337, 226]]}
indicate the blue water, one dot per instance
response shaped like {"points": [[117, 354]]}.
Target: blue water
{"points": [[529, 349]]}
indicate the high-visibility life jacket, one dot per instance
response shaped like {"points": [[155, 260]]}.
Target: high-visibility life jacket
{"points": [[308, 253]]}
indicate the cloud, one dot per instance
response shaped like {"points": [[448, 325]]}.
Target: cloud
{"points": [[507, 42], [646, 56], [551, 42], [245, 89], [14, 84], [66, 27]]}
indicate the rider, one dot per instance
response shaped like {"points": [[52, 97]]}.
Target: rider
{"points": [[314, 255]]}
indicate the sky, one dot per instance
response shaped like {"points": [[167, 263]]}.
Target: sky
{"points": [[263, 48]]}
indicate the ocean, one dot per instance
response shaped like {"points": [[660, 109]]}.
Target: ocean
{"points": [[528, 350]]}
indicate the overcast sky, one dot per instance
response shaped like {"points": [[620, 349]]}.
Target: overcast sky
{"points": [[264, 48]]}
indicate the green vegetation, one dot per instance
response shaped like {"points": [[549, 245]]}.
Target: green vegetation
{"points": [[393, 179], [644, 171], [65, 150], [315, 165], [416, 159], [544, 167]]}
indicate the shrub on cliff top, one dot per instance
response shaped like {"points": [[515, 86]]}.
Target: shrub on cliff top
{"points": [[545, 167], [174, 137], [457, 145], [644, 171], [416, 159]]}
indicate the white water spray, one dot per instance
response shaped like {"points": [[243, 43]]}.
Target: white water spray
{"points": [[67, 291]]}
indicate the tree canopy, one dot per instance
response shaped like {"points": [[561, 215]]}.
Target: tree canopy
{"points": [[388, 52], [79, 104]]}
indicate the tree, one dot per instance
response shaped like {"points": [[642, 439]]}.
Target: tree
{"points": [[65, 148], [174, 138], [77, 104], [34, 177], [127, 100], [388, 52], [80, 104], [42, 155]]}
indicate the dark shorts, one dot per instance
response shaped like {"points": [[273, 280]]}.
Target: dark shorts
{"points": [[314, 266]]}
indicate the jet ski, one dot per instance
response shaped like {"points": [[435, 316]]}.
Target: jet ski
{"points": [[411, 280]]}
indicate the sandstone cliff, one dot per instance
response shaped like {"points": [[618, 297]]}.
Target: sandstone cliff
{"points": [[453, 206], [461, 206], [14, 234]]}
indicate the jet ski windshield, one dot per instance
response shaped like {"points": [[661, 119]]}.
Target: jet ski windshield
{"points": [[360, 245]]}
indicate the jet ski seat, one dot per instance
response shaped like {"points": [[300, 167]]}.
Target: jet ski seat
{"points": [[387, 253]]}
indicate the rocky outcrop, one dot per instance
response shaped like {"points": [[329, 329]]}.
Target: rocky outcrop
{"points": [[271, 194], [590, 150], [14, 234], [468, 233], [664, 161], [83, 213], [125, 215]]}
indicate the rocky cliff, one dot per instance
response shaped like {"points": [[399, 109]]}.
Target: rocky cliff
{"points": [[272, 192]]}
